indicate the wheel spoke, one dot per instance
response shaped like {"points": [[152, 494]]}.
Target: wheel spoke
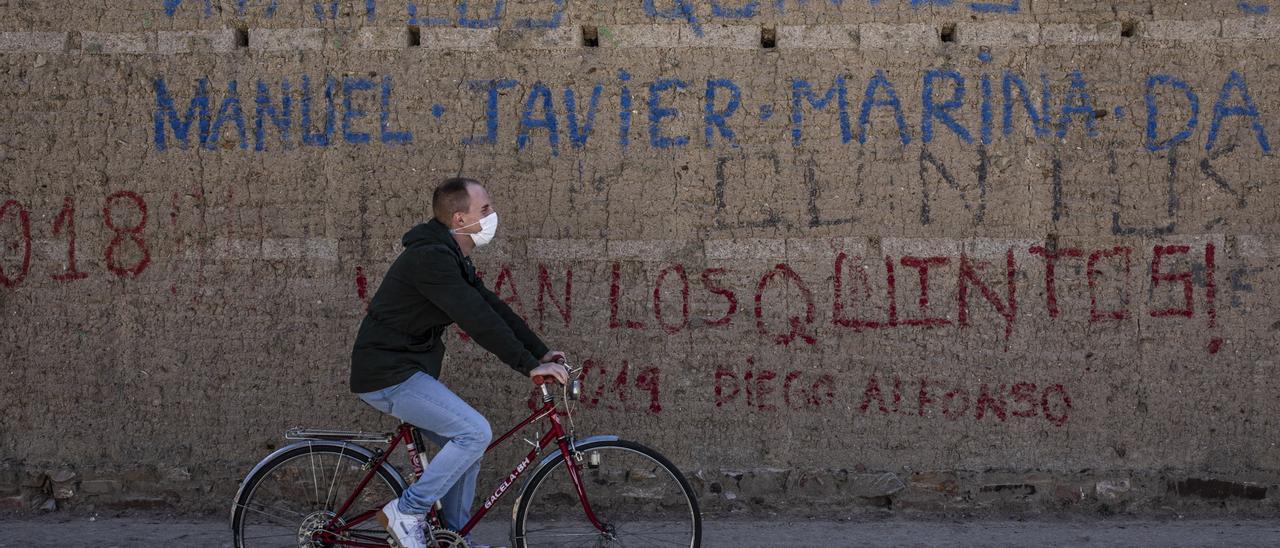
{"points": [[651, 538], [337, 471], [291, 496], [270, 515], [286, 534], [620, 479], [595, 534], [314, 479]]}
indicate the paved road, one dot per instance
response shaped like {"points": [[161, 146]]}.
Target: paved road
{"points": [[64, 531]]}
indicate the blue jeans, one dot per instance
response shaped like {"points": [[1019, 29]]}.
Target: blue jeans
{"points": [[460, 431]]}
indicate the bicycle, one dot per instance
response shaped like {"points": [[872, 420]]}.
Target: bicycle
{"points": [[624, 490]]}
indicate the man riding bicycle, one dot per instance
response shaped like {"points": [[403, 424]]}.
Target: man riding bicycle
{"points": [[398, 351]]}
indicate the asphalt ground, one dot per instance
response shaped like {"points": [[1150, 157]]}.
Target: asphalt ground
{"points": [[55, 530]]}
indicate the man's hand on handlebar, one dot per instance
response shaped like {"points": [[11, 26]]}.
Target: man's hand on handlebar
{"points": [[554, 370], [552, 356]]}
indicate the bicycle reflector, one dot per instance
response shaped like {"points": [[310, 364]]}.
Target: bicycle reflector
{"points": [[575, 389]]}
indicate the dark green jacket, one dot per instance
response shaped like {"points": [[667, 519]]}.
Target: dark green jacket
{"points": [[430, 286]]}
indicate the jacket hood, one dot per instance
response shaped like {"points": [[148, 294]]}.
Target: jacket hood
{"points": [[428, 233]]}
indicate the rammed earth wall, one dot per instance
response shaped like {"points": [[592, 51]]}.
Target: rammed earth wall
{"points": [[828, 255]]}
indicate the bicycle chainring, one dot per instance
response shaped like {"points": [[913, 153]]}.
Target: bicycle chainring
{"points": [[445, 538]]}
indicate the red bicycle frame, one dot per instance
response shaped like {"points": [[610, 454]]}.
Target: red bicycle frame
{"points": [[335, 529]]}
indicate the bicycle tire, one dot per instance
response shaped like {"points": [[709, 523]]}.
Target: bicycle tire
{"points": [[339, 452], [638, 504]]}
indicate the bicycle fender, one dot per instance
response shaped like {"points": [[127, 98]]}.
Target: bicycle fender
{"points": [[349, 447], [546, 461]]}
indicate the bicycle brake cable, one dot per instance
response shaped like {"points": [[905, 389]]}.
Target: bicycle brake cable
{"points": [[564, 397]]}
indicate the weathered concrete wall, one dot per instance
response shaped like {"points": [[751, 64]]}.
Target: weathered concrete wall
{"points": [[1018, 255]]}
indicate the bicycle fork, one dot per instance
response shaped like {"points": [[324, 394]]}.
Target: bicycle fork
{"points": [[572, 461]]}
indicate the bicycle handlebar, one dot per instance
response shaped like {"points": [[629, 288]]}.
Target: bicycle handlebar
{"points": [[573, 387], [539, 380]]}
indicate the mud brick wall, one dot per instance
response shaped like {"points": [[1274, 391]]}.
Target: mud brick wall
{"points": [[935, 255]]}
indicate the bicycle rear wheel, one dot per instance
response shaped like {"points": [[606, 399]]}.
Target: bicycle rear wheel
{"points": [[295, 494], [639, 495]]}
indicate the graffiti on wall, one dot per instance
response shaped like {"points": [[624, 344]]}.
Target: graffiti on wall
{"points": [[1182, 281], [326, 115], [310, 112], [760, 390], [855, 293], [124, 215]]}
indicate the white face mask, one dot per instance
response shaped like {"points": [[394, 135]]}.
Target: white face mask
{"points": [[488, 227]]}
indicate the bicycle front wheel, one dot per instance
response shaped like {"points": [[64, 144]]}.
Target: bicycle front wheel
{"points": [[635, 492], [295, 494]]}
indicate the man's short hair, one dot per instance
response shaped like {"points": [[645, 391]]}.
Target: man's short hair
{"points": [[451, 196]]}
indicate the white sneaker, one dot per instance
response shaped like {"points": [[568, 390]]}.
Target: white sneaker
{"points": [[405, 529]]}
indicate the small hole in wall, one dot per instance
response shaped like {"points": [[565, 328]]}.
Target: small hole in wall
{"points": [[590, 36], [242, 37], [947, 33], [768, 37], [414, 36], [1128, 29]]}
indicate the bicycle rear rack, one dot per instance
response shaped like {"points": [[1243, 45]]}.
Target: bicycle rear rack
{"points": [[299, 433]]}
